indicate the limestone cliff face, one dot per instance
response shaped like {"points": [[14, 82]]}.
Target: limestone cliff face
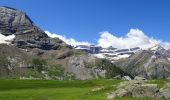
{"points": [[13, 21], [27, 35]]}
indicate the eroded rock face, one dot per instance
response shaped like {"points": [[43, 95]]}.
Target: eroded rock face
{"points": [[140, 89], [80, 66], [165, 91], [137, 89], [13, 21], [27, 35]]}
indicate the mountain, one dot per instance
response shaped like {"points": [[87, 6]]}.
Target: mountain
{"points": [[31, 53], [27, 35], [151, 63], [26, 51], [112, 54]]}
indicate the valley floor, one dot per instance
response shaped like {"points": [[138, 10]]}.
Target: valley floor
{"points": [[59, 90]]}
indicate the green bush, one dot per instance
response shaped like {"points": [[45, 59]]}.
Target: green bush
{"points": [[56, 70], [39, 64]]}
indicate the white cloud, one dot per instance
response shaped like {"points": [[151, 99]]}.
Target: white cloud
{"points": [[69, 41], [6, 39], [135, 38]]}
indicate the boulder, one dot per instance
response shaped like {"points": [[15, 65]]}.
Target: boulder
{"points": [[165, 91], [135, 88], [126, 78], [117, 77], [139, 78]]}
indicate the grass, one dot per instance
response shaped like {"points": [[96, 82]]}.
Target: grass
{"points": [[55, 89], [128, 98], [62, 89], [160, 82]]}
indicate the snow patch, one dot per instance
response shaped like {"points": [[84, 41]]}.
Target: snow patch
{"points": [[121, 56], [169, 59], [6, 39], [99, 55]]}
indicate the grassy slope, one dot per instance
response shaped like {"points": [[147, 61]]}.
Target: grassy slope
{"points": [[60, 90]]}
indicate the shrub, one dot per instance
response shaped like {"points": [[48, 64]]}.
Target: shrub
{"points": [[39, 64]]}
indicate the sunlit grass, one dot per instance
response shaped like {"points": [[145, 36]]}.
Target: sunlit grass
{"points": [[62, 89], [55, 90]]}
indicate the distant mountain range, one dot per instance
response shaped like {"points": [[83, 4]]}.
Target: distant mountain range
{"points": [[112, 54], [153, 62]]}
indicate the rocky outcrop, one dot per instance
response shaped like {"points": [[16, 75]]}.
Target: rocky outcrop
{"points": [[165, 91], [84, 67], [13, 59], [27, 35], [140, 89]]}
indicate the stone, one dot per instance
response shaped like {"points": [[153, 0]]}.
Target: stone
{"points": [[117, 77], [126, 78], [145, 90], [165, 91], [136, 89], [97, 89], [122, 93], [111, 97], [139, 78]]}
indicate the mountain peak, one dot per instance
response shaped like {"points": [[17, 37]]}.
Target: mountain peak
{"points": [[27, 35], [156, 47]]}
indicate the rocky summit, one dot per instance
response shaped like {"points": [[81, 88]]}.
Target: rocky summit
{"points": [[27, 34]]}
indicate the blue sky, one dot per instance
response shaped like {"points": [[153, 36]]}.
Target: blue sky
{"points": [[84, 19]]}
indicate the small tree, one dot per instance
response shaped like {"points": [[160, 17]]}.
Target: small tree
{"points": [[39, 64]]}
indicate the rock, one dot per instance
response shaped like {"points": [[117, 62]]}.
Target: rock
{"points": [[122, 93], [126, 78], [97, 89], [122, 78], [27, 35], [111, 97], [145, 90], [139, 78], [136, 89], [165, 92], [65, 55], [117, 77], [80, 65]]}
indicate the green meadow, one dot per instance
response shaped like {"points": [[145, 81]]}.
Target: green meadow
{"points": [[54, 89], [58, 89]]}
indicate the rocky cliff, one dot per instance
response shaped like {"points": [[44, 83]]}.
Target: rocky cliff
{"points": [[27, 34]]}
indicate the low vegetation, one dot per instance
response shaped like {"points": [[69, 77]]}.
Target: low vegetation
{"points": [[60, 89], [55, 89], [160, 82], [112, 69]]}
